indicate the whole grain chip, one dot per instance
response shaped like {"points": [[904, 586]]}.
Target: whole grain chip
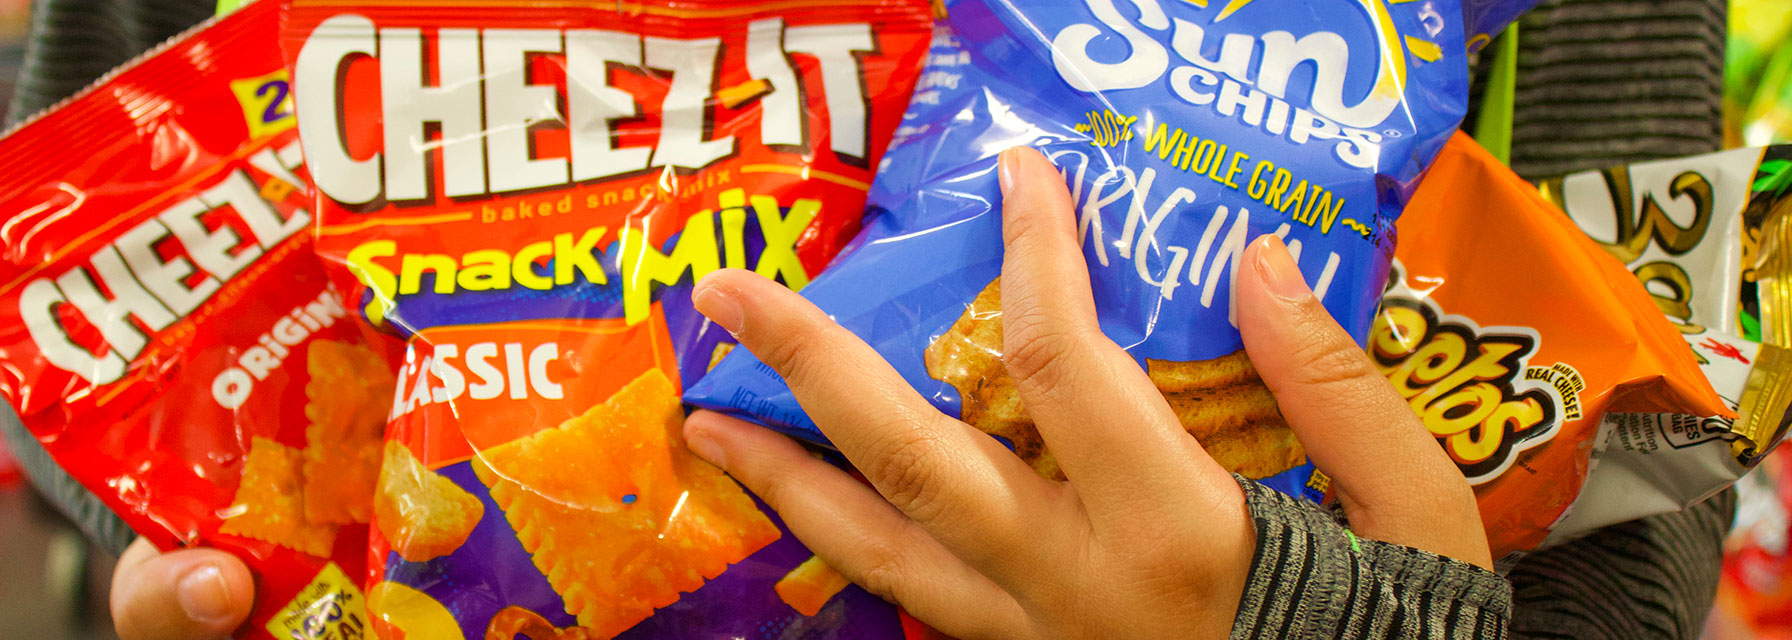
{"points": [[348, 397], [616, 513], [810, 586], [1221, 401], [269, 502], [421, 514]]}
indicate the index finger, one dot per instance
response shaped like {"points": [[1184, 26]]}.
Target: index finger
{"points": [[939, 472], [1104, 420]]}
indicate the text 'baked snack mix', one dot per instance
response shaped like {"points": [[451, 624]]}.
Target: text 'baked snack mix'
{"points": [[1514, 337], [526, 191], [169, 336], [1183, 130]]}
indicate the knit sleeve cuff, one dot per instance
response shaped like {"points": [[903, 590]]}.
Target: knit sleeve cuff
{"points": [[1312, 578]]}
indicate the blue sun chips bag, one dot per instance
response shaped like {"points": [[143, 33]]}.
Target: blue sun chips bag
{"points": [[1184, 130]]}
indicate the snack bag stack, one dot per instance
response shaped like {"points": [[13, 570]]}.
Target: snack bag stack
{"points": [[1518, 340], [1187, 145], [526, 192], [168, 335], [1484, 19], [1183, 131], [1705, 235]]}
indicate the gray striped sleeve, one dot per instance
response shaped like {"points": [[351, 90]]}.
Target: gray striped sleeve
{"points": [[1311, 578], [1606, 82], [1651, 578]]}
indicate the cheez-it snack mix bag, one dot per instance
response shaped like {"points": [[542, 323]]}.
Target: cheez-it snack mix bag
{"points": [[1512, 334], [526, 191], [169, 336]]}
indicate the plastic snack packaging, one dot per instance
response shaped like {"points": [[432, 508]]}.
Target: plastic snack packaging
{"points": [[526, 191], [168, 334], [1484, 19], [1183, 130], [1513, 335], [1706, 235]]}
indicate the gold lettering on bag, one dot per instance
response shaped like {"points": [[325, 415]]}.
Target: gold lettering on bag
{"points": [[1470, 385]]}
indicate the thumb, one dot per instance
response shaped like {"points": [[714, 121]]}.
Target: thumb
{"points": [[188, 594], [1395, 482]]}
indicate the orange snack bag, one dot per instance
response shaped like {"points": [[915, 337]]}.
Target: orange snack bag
{"points": [[1511, 333]]}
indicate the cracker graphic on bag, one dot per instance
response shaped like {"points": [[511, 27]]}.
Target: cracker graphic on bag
{"points": [[1221, 402], [347, 407], [269, 504], [422, 514], [515, 621], [618, 515], [810, 586]]}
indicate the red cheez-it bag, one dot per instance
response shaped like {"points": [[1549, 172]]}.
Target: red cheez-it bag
{"points": [[527, 191], [169, 336]]}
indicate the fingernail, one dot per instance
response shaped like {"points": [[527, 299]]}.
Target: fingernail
{"points": [[1005, 168], [1276, 268], [697, 439], [719, 305], [204, 596]]}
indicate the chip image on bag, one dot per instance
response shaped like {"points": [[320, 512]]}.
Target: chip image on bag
{"points": [[526, 192], [169, 336], [1183, 131]]}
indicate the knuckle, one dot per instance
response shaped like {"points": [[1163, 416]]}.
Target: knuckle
{"points": [[774, 484], [1037, 350], [1325, 362], [905, 468], [799, 354], [880, 570], [778, 349]]}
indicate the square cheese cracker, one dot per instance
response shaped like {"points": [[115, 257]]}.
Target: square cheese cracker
{"points": [[421, 514], [618, 515], [269, 503], [349, 394], [810, 586]]}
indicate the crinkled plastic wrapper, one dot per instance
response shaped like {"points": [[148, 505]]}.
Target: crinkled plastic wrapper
{"points": [[1183, 131], [527, 191], [1707, 236], [1516, 339], [1485, 19], [169, 336]]}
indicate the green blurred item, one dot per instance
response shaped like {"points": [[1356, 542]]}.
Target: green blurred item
{"points": [[1758, 73], [1493, 126]]}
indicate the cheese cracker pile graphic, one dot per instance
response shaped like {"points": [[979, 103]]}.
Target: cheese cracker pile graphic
{"points": [[616, 513]]}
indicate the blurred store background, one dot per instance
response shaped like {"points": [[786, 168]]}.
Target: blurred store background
{"points": [[14, 17], [52, 583]]}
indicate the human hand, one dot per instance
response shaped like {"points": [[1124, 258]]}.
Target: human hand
{"points": [[1149, 537], [191, 594]]}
